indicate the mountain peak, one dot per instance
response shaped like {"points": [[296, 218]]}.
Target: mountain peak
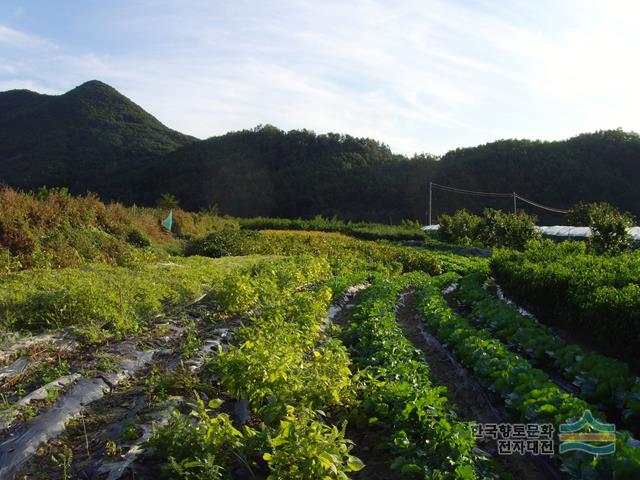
{"points": [[94, 88], [77, 138], [94, 83]]}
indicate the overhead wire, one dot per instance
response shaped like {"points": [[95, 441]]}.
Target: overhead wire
{"points": [[477, 193], [471, 192], [544, 207]]}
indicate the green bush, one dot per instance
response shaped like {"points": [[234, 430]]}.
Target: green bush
{"points": [[460, 228], [195, 446], [609, 229], [580, 214], [608, 226], [225, 242], [8, 263], [202, 444], [494, 228], [512, 230], [138, 239], [304, 448]]}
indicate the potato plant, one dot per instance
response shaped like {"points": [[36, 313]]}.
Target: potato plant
{"points": [[527, 392], [600, 379], [424, 438]]}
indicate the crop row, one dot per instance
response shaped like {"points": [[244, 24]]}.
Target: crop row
{"points": [[294, 377], [365, 231], [600, 379], [425, 438], [463, 265], [527, 392]]}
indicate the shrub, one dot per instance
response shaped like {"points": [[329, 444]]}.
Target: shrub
{"points": [[8, 263], [167, 201], [512, 230], [190, 225], [493, 229], [226, 242], [304, 448], [138, 239], [51, 228], [195, 446], [608, 226], [609, 229], [580, 214], [595, 295], [460, 228]]}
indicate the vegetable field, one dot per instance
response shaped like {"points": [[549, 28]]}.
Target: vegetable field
{"points": [[294, 354]]}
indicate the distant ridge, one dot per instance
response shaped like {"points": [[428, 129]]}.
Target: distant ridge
{"points": [[94, 138]]}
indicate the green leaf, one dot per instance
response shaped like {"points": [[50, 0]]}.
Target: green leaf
{"points": [[355, 464], [547, 408], [466, 472]]}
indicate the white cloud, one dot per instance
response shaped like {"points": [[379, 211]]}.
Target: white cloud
{"points": [[420, 75], [20, 40]]}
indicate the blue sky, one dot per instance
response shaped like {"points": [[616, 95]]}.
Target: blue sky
{"points": [[421, 76]]}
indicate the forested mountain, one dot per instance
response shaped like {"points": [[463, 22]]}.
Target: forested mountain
{"points": [[80, 139], [93, 138], [266, 171], [600, 166]]}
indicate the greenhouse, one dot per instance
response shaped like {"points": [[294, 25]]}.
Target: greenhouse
{"points": [[560, 231]]}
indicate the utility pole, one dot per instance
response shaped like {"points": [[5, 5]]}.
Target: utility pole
{"points": [[515, 208], [430, 190]]}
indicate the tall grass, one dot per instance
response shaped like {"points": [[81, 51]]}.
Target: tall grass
{"points": [[52, 229]]}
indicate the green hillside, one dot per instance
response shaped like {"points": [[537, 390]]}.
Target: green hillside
{"points": [[79, 140], [266, 171], [93, 138], [599, 166]]}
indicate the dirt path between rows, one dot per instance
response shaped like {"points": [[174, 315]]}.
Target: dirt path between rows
{"points": [[472, 401]]}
